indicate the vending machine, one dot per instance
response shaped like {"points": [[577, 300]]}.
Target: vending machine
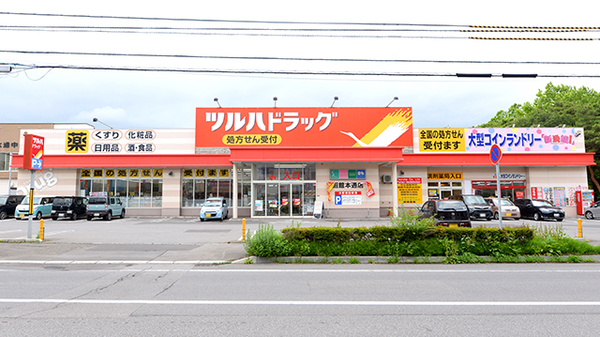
{"points": [[584, 200]]}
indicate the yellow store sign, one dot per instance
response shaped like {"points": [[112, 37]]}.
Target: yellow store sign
{"points": [[441, 140]]}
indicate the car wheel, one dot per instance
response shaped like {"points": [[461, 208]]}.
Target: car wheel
{"points": [[589, 215], [108, 216], [74, 216], [38, 216], [201, 220], [3, 215], [496, 216], [516, 219], [54, 218], [559, 220], [89, 218], [536, 216], [122, 214]]}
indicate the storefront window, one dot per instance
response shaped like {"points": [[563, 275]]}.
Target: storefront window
{"points": [[509, 189], [135, 193], [157, 188], [133, 196], [201, 183], [187, 193], [199, 192], [259, 172]]}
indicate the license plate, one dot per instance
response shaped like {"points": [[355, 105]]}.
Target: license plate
{"points": [[482, 215], [96, 214], [556, 215], [508, 214], [60, 214], [453, 225], [207, 215], [22, 215]]}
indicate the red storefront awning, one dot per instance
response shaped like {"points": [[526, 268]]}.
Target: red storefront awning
{"points": [[147, 160], [316, 154], [508, 159]]}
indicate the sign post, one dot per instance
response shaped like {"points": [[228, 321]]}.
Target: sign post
{"points": [[495, 156], [33, 160]]}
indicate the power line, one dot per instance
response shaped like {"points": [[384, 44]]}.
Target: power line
{"points": [[267, 58], [299, 72], [226, 21]]}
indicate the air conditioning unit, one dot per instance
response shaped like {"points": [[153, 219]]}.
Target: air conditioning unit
{"points": [[386, 179]]}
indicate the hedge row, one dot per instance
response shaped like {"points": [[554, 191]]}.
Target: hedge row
{"points": [[518, 235]]}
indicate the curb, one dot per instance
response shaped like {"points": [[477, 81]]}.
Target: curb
{"points": [[416, 259]]}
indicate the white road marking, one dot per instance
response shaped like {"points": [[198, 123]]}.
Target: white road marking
{"points": [[308, 303]]}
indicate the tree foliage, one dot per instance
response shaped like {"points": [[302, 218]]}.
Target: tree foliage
{"points": [[558, 105]]}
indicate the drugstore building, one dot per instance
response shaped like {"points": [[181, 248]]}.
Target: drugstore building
{"points": [[306, 162]]}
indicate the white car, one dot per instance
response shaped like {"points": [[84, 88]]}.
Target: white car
{"points": [[214, 208]]}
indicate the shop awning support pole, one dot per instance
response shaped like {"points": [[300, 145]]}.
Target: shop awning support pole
{"points": [[395, 189], [235, 191]]}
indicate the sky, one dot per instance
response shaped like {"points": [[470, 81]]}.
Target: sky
{"points": [[298, 31]]}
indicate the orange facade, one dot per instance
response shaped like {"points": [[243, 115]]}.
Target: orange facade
{"points": [[307, 127]]}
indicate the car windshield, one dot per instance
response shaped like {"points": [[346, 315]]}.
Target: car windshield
{"points": [[474, 200], [36, 200], [97, 201], [541, 203], [451, 204], [212, 203], [505, 202], [63, 201]]}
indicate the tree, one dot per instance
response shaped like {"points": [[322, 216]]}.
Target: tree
{"points": [[560, 105]]}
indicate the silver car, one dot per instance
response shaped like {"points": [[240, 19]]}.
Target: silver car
{"points": [[509, 210], [593, 211]]}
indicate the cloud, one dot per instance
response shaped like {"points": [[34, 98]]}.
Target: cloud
{"points": [[105, 114]]}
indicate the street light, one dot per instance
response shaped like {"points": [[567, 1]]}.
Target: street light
{"points": [[96, 120]]}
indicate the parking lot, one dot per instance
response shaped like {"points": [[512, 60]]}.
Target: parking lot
{"points": [[182, 230]]}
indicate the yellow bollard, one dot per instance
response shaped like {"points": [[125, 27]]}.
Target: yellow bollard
{"points": [[579, 229], [244, 230], [42, 229]]}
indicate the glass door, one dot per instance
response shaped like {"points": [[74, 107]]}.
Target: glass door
{"points": [[284, 190], [296, 200], [272, 199]]}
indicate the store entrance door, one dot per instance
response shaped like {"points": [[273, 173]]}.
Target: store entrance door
{"points": [[291, 199]]}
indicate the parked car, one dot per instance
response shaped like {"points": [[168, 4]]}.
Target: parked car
{"points": [[42, 208], [479, 209], [69, 207], [592, 211], [105, 208], [8, 204], [509, 210], [539, 209], [446, 212], [214, 208]]}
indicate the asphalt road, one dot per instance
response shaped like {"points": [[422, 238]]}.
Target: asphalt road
{"points": [[163, 277], [300, 300]]}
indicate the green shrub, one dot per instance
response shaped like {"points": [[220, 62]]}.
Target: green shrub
{"points": [[267, 242]]}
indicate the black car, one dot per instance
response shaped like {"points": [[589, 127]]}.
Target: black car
{"points": [[479, 209], [539, 209], [446, 212], [69, 207], [8, 204]]}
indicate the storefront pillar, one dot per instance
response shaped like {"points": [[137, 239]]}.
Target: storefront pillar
{"points": [[235, 191], [395, 189]]}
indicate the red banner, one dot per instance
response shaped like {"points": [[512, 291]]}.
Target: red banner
{"points": [[315, 127]]}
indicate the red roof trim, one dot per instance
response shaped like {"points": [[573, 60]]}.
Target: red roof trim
{"points": [[287, 154], [316, 154], [508, 159], [147, 160]]}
